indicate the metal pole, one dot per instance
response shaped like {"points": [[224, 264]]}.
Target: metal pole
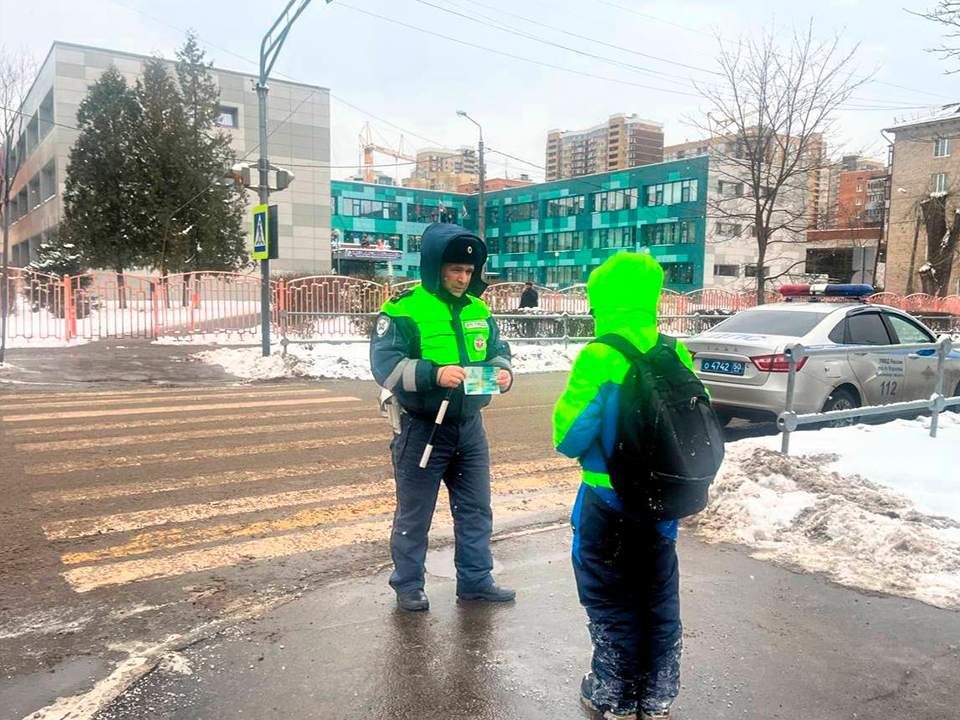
{"points": [[943, 347], [482, 219], [788, 401], [4, 290], [262, 91]]}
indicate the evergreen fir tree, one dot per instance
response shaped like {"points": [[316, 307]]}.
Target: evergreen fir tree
{"points": [[103, 186]]}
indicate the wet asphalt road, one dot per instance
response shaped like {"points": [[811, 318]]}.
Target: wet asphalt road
{"points": [[760, 642]]}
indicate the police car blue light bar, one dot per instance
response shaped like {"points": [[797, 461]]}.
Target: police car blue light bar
{"points": [[835, 290]]}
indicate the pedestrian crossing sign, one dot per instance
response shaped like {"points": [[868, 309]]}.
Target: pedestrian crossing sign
{"points": [[261, 239]]}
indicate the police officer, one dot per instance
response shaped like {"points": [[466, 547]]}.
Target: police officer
{"points": [[421, 343]]}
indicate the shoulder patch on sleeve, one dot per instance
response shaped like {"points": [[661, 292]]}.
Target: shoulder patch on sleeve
{"points": [[383, 324]]}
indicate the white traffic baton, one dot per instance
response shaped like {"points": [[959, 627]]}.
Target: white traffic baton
{"points": [[433, 432]]}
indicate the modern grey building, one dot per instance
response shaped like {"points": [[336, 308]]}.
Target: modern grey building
{"points": [[299, 123]]}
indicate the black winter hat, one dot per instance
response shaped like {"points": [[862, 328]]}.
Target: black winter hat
{"points": [[464, 249]]}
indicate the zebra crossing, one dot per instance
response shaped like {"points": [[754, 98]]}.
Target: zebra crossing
{"points": [[158, 484]]}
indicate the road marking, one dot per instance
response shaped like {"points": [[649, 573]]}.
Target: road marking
{"points": [[245, 418], [139, 519], [167, 409], [99, 492], [90, 577], [199, 454], [171, 437], [177, 397], [367, 507], [177, 389]]}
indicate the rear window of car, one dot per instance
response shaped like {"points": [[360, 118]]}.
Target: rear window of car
{"points": [[771, 322]]}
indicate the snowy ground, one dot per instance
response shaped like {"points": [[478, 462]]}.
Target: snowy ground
{"points": [[351, 361], [872, 506]]}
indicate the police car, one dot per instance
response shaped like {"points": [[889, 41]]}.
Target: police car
{"points": [[741, 360]]}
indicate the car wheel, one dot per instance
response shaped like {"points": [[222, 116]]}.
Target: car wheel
{"points": [[840, 400]]}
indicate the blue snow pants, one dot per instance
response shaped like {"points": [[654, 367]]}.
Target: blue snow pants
{"points": [[628, 580], [461, 458]]}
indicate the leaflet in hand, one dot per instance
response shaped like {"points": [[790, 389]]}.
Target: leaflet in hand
{"points": [[481, 380]]}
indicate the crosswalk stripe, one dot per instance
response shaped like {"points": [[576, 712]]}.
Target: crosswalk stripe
{"points": [[139, 519], [162, 485], [152, 410], [169, 437], [179, 397], [244, 418], [364, 507], [90, 577], [160, 390], [198, 454]]}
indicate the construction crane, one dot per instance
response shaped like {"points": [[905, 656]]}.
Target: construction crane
{"points": [[369, 147]]}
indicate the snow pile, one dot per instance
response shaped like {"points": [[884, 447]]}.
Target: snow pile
{"points": [[871, 506], [351, 361]]}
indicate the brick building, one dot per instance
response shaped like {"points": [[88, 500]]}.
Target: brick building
{"points": [[624, 141]]}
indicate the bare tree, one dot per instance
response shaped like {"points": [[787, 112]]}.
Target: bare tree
{"points": [[946, 13], [17, 70], [942, 234], [770, 114]]}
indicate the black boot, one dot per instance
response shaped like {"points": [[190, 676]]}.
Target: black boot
{"points": [[413, 600], [620, 711], [491, 593]]}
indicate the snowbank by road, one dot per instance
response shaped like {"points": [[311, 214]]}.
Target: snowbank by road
{"points": [[871, 506], [351, 361]]}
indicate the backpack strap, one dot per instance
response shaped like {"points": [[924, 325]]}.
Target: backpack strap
{"points": [[627, 348]]}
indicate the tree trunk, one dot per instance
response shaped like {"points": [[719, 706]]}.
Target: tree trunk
{"points": [[761, 275], [121, 288], [942, 240]]}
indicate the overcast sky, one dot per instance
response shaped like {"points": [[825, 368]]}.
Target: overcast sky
{"points": [[416, 81]]}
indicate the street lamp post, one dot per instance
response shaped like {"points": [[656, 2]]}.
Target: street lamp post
{"points": [[556, 254], [482, 211], [269, 51]]}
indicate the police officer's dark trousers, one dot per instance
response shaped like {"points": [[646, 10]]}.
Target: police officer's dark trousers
{"points": [[461, 459], [628, 580]]}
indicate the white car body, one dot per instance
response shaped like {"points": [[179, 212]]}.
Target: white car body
{"points": [[751, 340]]}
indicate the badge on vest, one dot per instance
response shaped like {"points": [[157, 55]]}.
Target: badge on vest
{"points": [[479, 344], [383, 324], [475, 324]]}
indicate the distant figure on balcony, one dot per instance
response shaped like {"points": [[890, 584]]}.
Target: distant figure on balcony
{"points": [[365, 241], [530, 298], [379, 243]]}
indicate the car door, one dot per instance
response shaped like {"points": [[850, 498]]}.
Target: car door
{"points": [[881, 375], [921, 365]]}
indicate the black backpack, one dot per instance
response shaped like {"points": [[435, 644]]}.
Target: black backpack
{"points": [[669, 443]]}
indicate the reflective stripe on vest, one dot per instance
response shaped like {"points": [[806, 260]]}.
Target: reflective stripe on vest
{"points": [[434, 319], [596, 479]]}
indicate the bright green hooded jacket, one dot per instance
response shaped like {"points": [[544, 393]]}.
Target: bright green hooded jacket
{"points": [[624, 293]]}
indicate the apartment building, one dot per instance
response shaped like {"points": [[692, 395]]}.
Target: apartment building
{"points": [[444, 170], [624, 141], [299, 123], [926, 161]]}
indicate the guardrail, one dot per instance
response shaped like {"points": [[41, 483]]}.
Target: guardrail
{"points": [[307, 328], [789, 421]]}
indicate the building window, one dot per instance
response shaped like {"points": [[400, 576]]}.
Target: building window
{"points": [[413, 243], [750, 270], [941, 147], [229, 117], [726, 271], [613, 237], [370, 209], [493, 214], [519, 244], [859, 201], [938, 183], [677, 273], [566, 206], [668, 233], [615, 200], [729, 229], [520, 212], [672, 193], [564, 275], [423, 213], [562, 241], [730, 189]]}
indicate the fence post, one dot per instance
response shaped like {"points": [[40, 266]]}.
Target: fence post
{"points": [[67, 308], [938, 401], [788, 420], [155, 292], [564, 317]]}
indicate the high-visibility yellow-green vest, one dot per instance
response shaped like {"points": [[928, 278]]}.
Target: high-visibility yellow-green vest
{"points": [[450, 334]]}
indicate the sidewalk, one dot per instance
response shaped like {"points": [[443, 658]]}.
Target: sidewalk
{"points": [[761, 642]]}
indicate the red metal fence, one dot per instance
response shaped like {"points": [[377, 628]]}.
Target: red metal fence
{"points": [[106, 305]]}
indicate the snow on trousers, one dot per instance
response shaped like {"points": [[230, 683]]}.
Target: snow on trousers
{"points": [[628, 580], [461, 458]]}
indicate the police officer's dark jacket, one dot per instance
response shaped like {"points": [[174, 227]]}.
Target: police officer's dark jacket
{"points": [[427, 327]]}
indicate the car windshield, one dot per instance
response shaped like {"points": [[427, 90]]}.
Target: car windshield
{"points": [[771, 322]]}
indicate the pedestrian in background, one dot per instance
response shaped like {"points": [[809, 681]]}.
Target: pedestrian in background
{"points": [[422, 341], [529, 298]]}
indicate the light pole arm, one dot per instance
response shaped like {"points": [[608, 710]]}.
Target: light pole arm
{"points": [[271, 45]]}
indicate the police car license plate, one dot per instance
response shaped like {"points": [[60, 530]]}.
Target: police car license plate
{"points": [[723, 367]]}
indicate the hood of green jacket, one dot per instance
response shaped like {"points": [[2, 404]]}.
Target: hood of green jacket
{"points": [[624, 293]]}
